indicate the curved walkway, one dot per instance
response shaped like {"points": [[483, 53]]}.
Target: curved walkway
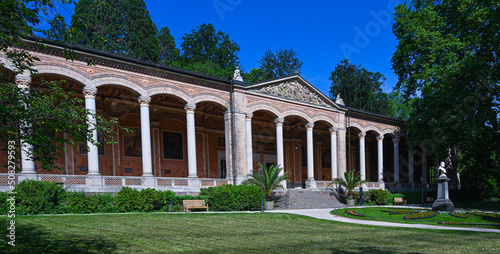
{"points": [[325, 214]]}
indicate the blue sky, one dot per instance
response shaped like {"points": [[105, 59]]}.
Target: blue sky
{"points": [[322, 32]]}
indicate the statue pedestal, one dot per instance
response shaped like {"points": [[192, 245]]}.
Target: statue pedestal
{"points": [[443, 202]]}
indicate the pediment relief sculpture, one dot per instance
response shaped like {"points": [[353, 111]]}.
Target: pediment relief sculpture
{"points": [[294, 91]]}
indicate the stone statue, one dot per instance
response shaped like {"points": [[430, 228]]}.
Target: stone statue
{"points": [[339, 100], [237, 75], [442, 169]]}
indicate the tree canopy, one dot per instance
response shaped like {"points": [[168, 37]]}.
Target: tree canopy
{"points": [[447, 61], [360, 88], [118, 26], [276, 64], [41, 116], [205, 46], [169, 53]]}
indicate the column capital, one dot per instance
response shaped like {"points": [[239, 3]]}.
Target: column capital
{"points": [[362, 135], [309, 126], [248, 116], [90, 92], [189, 108], [332, 130], [279, 121], [380, 138], [144, 101], [395, 141]]}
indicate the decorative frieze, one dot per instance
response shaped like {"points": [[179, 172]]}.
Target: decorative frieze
{"points": [[295, 91]]}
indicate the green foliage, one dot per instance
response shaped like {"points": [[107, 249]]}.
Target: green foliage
{"points": [[4, 204], [128, 200], [209, 47], [51, 112], [152, 199], [168, 51], [78, 202], [21, 18], [276, 64], [379, 197], [359, 88], [447, 63], [350, 181], [232, 197], [271, 179], [34, 197], [121, 27]]}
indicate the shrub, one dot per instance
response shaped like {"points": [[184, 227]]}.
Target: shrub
{"points": [[413, 197], [169, 197], [4, 204], [380, 197], [78, 202], [232, 197], [151, 199], [128, 200], [35, 197]]}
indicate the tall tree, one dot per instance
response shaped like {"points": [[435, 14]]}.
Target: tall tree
{"points": [[118, 26], [140, 31], [168, 51], [448, 60], [280, 63], [58, 29], [206, 46], [359, 88], [52, 111], [100, 24]]}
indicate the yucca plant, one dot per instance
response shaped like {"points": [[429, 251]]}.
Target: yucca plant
{"points": [[351, 181], [271, 179]]}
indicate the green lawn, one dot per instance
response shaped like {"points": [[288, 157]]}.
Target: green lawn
{"points": [[229, 233], [375, 213]]}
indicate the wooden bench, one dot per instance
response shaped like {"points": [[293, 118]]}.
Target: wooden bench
{"points": [[194, 204], [399, 201], [430, 200]]}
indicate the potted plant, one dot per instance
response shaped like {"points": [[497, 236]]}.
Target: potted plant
{"points": [[271, 180], [351, 180]]}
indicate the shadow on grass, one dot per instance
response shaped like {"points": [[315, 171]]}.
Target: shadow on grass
{"points": [[31, 239]]}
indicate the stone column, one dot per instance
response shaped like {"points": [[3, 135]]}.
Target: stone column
{"points": [[228, 139], [191, 140], [23, 82], [380, 150], [147, 167], [333, 149], [93, 155], [341, 152], [248, 129], [396, 159], [362, 156], [279, 143], [310, 152]]}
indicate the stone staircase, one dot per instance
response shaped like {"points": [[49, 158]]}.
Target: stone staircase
{"points": [[306, 199]]}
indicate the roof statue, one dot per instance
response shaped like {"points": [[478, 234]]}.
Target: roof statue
{"points": [[339, 100], [237, 75], [295, 91]]}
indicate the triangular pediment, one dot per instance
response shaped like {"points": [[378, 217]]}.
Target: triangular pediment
{"points": [[293, 88]]}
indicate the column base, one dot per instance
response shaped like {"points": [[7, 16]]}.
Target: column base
{"points": [[94, 182], [240, 179], [27, 176], [194, 182], [311, 184], [443, 205], [148, 181]]}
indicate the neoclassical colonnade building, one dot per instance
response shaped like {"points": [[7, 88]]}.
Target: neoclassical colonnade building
{"points": [[192, 131]]}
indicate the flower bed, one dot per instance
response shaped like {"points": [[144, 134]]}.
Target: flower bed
{"points": [[483, 214], [401, 211], [416, 216], [459, 215], [469, 223], [352, 212]]}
